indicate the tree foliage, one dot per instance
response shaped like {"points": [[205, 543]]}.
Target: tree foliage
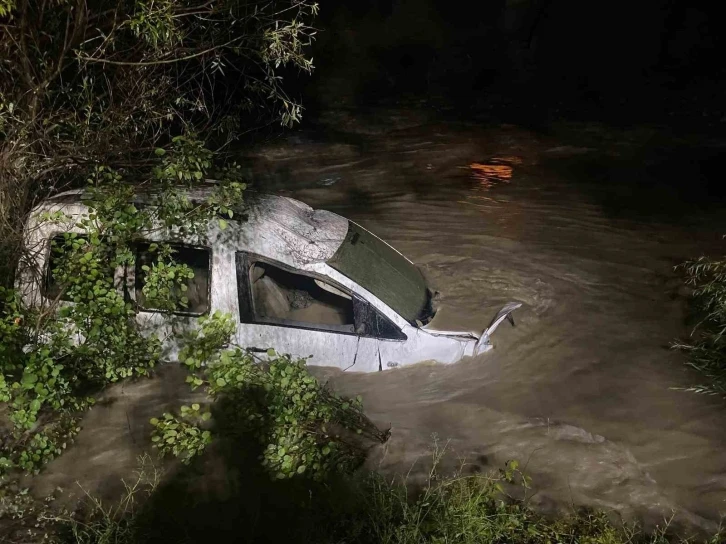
{"points": [[141, 87], [112, 82]]}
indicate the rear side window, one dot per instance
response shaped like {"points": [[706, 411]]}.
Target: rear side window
{"points": [[62, 248], [193, 293], [54, 288]]}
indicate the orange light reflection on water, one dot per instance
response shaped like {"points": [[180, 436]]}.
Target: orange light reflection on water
{"points": [[493, 173]]}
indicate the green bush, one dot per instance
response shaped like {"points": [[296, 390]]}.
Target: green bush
{"points": [[707, 345], [302, 427]]}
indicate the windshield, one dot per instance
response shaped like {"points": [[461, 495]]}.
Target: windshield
{"points": [[383, 271]]}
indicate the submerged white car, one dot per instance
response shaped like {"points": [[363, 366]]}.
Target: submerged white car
{"points": [[305, 282]]}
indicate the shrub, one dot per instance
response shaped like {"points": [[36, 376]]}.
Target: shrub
{"points": [[302, 427], [707, 345], [181, 437]]}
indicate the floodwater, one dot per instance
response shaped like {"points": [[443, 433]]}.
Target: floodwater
{"points": [[583, 225], [585, 232]]}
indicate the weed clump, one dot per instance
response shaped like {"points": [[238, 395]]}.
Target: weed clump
{"points": [[707, 345]]}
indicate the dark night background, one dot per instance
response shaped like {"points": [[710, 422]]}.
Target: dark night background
{"points": [[525, 61]]}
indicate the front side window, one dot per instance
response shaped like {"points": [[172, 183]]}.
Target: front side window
{"points": [[285, 298], [190, 294], [276, 296]]}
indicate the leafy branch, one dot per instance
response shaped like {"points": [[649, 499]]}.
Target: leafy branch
{"points": [[302, 427]]}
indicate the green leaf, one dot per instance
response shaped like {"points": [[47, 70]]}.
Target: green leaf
{"points": [[222, 224], [159, 151], [29, 378]]}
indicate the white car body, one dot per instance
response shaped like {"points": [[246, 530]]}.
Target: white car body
{"points": [[277, 233]]}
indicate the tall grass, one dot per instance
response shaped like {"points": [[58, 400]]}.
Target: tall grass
{"points": [[100, 523], [707, 345], [455, 508]]}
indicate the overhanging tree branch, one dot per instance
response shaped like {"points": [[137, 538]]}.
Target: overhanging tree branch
{"points": [[158, 62]]}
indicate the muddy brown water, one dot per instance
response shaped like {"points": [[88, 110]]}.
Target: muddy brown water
{"points": [[584, 230]]}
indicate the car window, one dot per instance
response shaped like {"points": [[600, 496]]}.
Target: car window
{"points": [[377, 267], [282, 297], [61, 247], [197, 288], [275, 295], [372, 323]]}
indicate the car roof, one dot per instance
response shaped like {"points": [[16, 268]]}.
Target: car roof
{"points": [[272, 226]]}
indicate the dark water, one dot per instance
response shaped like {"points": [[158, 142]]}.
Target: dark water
{"points": [[583, 225]]}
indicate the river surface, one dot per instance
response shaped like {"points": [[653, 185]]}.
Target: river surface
{"points": [[583, 225]]}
